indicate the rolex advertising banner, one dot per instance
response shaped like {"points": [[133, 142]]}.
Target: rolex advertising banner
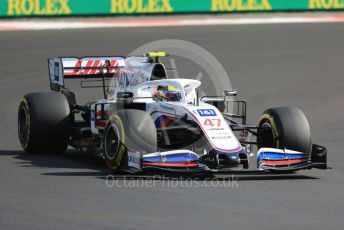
{"points": [[17, 8]]}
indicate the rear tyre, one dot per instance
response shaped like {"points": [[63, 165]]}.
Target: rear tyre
{"points": [[284, 128], [128, 130], [43, 122]]}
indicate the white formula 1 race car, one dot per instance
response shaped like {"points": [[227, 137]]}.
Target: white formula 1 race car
{"points": [[147, 121]]}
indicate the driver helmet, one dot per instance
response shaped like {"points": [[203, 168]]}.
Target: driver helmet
{"points": [[167, 93]]}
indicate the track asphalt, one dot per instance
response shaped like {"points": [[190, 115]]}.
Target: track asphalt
{"points": [[289, 64]]}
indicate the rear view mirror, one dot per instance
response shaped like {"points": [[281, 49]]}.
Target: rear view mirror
{"points": [[229, 93]]}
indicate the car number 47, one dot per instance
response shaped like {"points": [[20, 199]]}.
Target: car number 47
{"points": [[213, 122]]}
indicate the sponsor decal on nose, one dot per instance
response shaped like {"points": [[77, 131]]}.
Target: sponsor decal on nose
{"points": [[206, 112]]}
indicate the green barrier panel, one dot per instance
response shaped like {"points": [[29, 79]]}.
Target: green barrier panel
{"points": [[14, 8]]}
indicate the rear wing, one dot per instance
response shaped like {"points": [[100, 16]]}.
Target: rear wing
{"points": [[80, 68]]}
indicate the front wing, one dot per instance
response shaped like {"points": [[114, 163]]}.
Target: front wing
{"points": [[186, 161]]}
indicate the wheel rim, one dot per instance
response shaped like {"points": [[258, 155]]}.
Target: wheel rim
{"points": [[266, 136], [23, 124], [112, 143]]}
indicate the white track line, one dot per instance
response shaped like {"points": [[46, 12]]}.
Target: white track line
{"points": [[82, 24]]}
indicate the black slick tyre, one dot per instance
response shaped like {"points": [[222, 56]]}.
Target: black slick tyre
{"points": [[44, 122], [284, 128]]}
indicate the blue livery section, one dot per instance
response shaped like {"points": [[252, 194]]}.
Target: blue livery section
{"points": [[173, 158], [280, 156], [282, 159]]}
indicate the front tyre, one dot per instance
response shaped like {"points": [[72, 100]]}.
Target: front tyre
{"points": [[128, 130], [284, 128], [114, 143]]}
